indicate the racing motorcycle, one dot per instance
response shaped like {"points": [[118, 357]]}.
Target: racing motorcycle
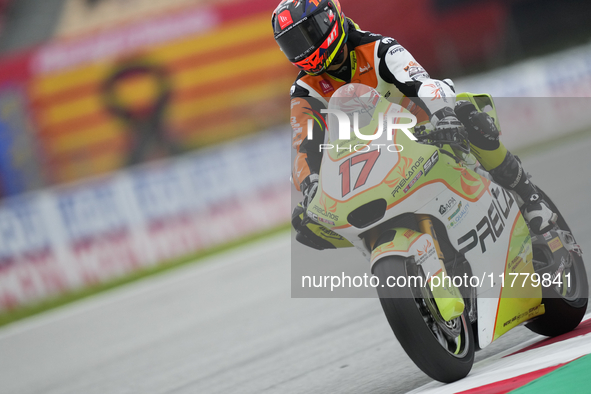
{"points": [[456, 262]]}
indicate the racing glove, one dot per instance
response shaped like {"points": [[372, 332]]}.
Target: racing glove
{"points": [[308, 232], [448, 129], [480, 126]]}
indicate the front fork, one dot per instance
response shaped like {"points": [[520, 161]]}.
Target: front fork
{"points": [[426, 227], [448, 298]]}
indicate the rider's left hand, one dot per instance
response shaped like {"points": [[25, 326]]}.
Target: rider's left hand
{"points": [[447, 127], [309, 187], [446, 124]]}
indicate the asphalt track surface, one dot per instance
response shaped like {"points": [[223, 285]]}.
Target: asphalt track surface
{"points": [[228, 324]]}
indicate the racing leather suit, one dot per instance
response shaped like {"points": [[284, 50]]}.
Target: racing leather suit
{"points": [[385, 65], [376, 61]]}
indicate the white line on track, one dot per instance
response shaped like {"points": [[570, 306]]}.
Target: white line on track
{"points": [[498, 368]]}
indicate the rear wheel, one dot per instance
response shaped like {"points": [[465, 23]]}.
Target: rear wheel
{"points": [[565, 301], [443, 350]]}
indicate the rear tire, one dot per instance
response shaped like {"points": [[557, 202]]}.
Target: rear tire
{"points": [[419, 333], [563, 314], [561, 317]]}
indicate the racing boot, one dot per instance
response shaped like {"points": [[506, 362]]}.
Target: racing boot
{"points": [[536, 211]]}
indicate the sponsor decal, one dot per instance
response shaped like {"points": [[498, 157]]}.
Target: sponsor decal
{"points": [[408, 233], [417, 73], [555, 244], [459, 215], [333, 36], [402, 183], [387, 40], [437, 91], [326, 221], [431, 162], [365, 70], [411, 64], [285, 19], [406, 189], [524, 315], [447, 206], [312, 216], [456, 211], [326, 86], [327, 233], [547, 236], [491, 225], [425, 249], [524, 250], [326, 213], [426, 252], [397, 48]]}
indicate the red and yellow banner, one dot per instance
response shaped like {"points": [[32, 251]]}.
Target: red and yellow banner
{"points": [[161, 86]]}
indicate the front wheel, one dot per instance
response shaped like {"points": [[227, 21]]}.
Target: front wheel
{"points": [[443, 350]]}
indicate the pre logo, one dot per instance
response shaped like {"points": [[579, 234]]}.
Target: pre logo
{"points": [[491, 226]]}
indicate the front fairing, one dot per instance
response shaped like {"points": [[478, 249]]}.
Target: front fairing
{"points": [[388, 175], [482, 221]]}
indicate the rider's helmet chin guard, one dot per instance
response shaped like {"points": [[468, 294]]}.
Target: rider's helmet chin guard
{"points": [[311, 33]]}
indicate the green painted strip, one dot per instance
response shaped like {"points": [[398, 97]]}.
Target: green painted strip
{"points": [[29, 310], [571, 378]]}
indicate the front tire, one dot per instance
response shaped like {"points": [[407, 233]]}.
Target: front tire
{"points": [[422, 336]]}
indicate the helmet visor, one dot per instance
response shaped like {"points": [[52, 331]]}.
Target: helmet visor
{"points": [[305, 37]]}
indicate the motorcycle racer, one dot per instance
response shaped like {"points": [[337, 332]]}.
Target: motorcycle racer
{"points": [[331, 50]]}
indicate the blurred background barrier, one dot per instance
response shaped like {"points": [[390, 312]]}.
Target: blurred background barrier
{"points": [[83, 234], [98, 85], [193, 94], [540, 99], [91, 86]]}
